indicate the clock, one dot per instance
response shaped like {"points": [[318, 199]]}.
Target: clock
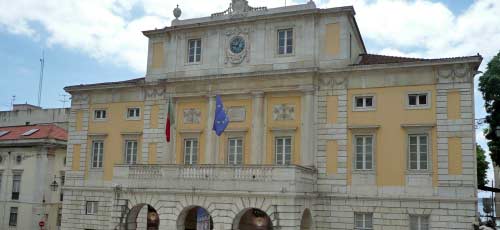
{"points": [[237, 45]]}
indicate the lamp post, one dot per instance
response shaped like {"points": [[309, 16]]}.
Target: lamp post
{"points": [[54, 185]]}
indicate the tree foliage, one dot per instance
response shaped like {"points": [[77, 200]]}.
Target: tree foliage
{"points": [[489, 85], [482, 166]]}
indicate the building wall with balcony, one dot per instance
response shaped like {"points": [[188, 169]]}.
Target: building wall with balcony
{"points": [[419, 163]]}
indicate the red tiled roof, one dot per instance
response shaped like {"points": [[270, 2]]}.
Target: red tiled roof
{"points": [[373, 59], [49, 131]]}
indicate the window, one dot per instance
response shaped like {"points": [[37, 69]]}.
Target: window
{"points": [[3, 132], [194, 50], [363, 221], [16, 185], [99, 114], [29, 132], [283, 150], [91, 207], [59, 217], [419, 222], [13, 216], [285, 41], [418, 151], [235, 151], [130, 152], [63, 177], [190, 151], [364, 103], [97, 153], [418, 99], [364, 152], [133, 113]]}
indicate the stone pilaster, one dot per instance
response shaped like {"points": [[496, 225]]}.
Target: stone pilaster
{"points": [[307, 153], [257, 128], [210, 154]]}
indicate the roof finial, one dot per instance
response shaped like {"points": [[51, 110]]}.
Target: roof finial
{"points": [[177, 12]]}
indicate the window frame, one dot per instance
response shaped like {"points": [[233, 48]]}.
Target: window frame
{"points": [[373, 107], [95, 118], [235, 161], [283, 148], [13, 223], [285, 29], [100, 158], [188, 49], [355, 153], [418, 135], [185, 140], [16, 194], [136, 116], [418, 105], [125, 151], [419, 221], [364, 215], [91, 207]]}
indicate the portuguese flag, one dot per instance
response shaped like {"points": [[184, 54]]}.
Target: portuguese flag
{"points": [[169, 119]]}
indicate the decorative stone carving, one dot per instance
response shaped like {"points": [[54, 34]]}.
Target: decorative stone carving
{"points": [[333, 82], [155, 93], [232, 57], [238, 8], [455, 73], [283, 112], [236, 114], [192, 116], [80, 98]]}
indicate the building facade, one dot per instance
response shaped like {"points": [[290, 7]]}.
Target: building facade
{"points": [[32, 157], [322, 135]]}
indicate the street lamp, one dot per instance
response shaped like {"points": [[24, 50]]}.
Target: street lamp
{"points": [[54, 184]]}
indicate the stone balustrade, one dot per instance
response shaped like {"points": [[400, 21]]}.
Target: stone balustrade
{"points": [[247, 178]]}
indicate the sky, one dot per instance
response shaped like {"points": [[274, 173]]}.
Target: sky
{"points": [[100, 40]]}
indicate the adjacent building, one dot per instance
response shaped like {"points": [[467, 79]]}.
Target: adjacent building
{"points": [[322, 134]]}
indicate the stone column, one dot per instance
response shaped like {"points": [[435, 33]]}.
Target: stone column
{"points": [[306, 150], [257, 128], [209, 134]]}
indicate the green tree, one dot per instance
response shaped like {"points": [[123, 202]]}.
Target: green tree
{"points": [[482, 166], [489, 85]]}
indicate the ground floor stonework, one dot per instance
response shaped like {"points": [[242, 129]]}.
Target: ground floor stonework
{"points": [[131, 209]]}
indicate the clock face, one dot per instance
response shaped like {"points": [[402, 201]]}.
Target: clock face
{"points": [[237, 44]]}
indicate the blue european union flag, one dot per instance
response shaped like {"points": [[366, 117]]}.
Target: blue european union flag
{"points": [[221, 120]]}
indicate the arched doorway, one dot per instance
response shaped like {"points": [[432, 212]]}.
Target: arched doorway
{"points": [[195, 218], [306, 221], [252, 219], [142, 216]]}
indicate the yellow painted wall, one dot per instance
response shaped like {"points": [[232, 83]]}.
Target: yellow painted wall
{"points": [[158, 55], [332, 41], [155, 109], [198, 103], [152, 153], [454, 156], [454, 105], [271, 124], [391, 139], [79, 117], [331, 109], [114, 127], [247, 124], [331, 157], [75, 164]]}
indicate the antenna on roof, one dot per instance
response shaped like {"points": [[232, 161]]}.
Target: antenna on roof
{"points": [[64, 99], [12, 101], [42, 63]]}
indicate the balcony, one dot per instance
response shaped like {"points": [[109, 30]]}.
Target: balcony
{"points": [[247, 178]]}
